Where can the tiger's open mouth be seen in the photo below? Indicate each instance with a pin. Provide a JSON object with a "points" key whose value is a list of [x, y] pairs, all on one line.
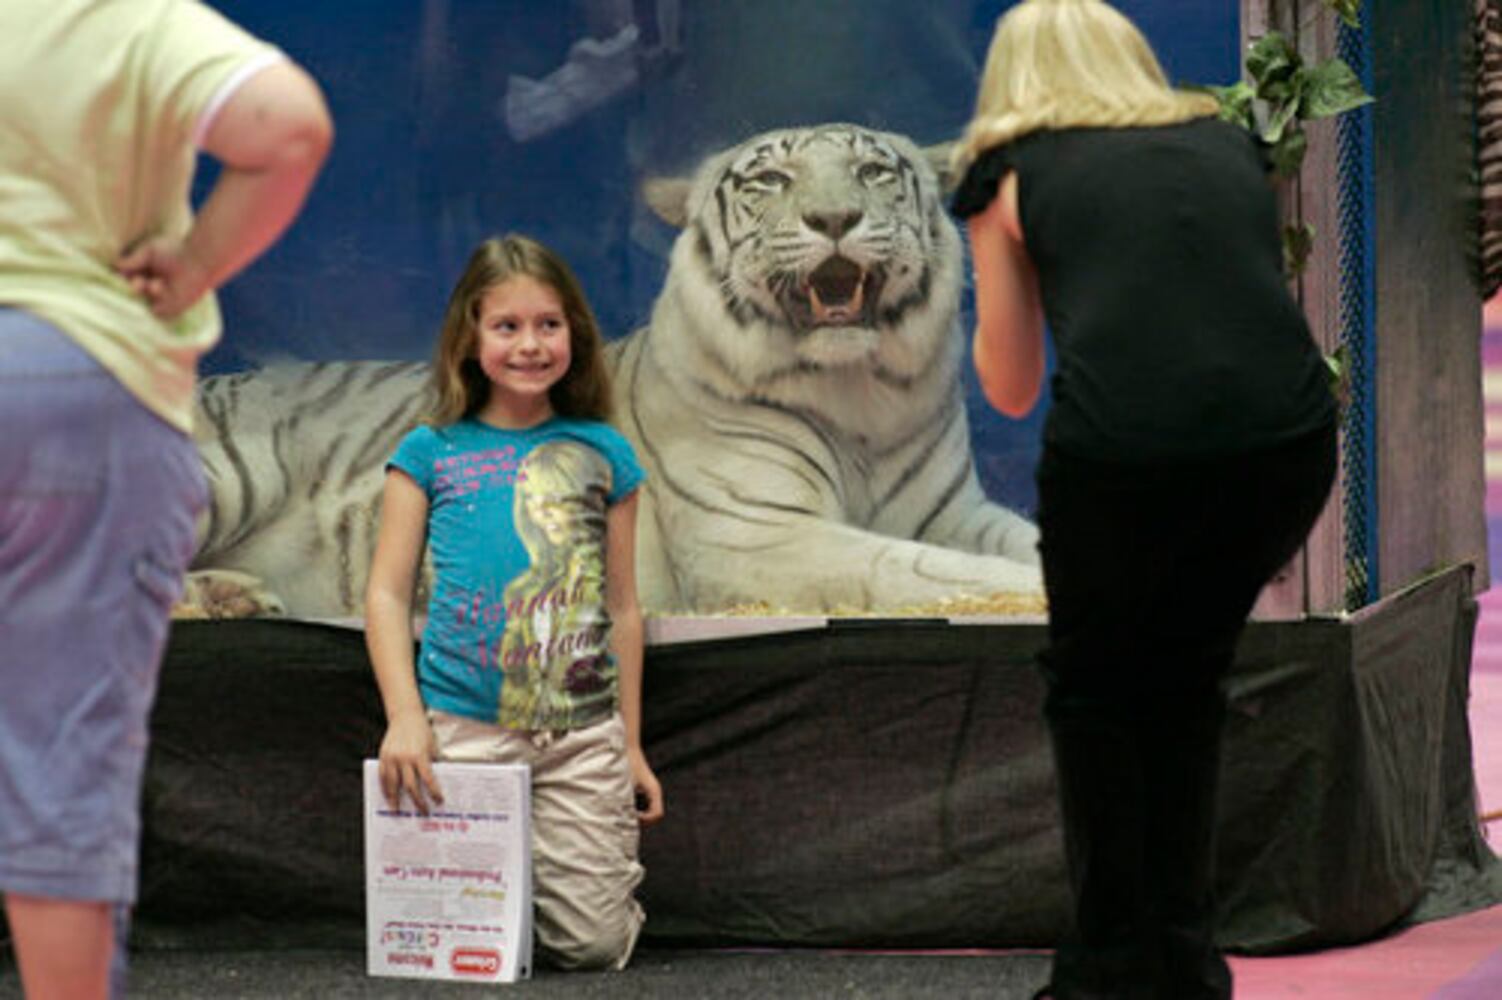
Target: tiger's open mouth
{"points": [[838, 292]]}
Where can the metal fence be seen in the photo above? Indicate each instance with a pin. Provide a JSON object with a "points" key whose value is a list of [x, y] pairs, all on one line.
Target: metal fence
{"points": [[1357, 319]]}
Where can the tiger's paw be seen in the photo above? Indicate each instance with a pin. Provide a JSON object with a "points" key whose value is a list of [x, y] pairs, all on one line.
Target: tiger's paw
{"points": [[225, 593]]}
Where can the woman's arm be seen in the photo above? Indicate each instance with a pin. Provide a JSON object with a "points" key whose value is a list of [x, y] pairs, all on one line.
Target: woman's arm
{"points": [[1008, 346], [626, 642], [407, 750], [271, 137]]}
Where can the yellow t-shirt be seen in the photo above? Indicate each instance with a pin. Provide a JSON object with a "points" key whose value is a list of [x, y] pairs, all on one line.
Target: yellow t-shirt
{"points": [[104, 103]]}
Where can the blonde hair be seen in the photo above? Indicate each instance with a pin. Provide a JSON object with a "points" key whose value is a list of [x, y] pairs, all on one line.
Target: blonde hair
{"points": [[1057, 64], [556, 470], [462, 387]]}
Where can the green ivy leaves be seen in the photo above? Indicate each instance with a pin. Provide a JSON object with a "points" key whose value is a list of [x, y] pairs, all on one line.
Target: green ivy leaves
{"points": [[1332, 89], [1338, 373], [1283, 92], [1349, 11], [1298, 244], [1280, 95]]}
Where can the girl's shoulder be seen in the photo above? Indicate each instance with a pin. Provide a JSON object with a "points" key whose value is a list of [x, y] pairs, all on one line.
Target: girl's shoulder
{"points": [[462, 432], [421, 433], [421, 439], [462, 435], [614, 446], [598, 433]]}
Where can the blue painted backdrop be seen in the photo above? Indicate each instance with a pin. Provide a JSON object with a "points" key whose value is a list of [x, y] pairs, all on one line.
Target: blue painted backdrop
{"points": [[457, 119]]}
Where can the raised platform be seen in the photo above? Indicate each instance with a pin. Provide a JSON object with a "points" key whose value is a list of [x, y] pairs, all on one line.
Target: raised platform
{"points": [[851, 782]]}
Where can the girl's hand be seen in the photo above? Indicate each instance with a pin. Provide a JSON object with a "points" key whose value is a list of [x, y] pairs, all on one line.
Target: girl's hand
{"points": [[407, 762], [648, 791]]}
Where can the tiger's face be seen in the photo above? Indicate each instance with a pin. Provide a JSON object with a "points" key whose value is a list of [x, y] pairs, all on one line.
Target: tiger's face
{"points": [[824, 248]]}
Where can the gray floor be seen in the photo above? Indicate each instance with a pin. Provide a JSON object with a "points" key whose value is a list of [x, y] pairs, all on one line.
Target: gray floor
{"points": [[771, 975]]}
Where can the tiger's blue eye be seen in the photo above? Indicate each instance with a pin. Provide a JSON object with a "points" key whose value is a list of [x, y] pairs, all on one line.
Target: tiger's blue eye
{"points": [[771, 178], [871, 171]]}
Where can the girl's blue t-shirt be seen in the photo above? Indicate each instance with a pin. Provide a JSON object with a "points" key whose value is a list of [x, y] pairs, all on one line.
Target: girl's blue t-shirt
{"points": [[517, 630]]}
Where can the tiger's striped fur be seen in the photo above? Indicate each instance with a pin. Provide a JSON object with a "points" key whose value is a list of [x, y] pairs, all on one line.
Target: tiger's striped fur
{"points": [[796, 397], [1488, 104], [796, 400], [295, 458]]}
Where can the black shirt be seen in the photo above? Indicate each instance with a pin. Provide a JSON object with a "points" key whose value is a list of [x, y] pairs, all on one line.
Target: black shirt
{"points": [[1160, 266]]}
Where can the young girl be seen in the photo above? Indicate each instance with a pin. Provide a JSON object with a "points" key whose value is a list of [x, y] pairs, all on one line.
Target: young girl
{"points": [[532, 651], [1188, 450]]}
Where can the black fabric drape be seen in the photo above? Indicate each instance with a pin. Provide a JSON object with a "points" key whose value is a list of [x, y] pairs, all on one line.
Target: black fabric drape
{"points": [[868, 784]]}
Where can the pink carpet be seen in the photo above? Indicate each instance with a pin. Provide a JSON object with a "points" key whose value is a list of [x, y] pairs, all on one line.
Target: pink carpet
{"points": [[1459, 958], [1455, 959]]}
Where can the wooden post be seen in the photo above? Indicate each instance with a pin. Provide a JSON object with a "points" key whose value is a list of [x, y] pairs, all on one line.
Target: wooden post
{"points": [[1314, 583]]}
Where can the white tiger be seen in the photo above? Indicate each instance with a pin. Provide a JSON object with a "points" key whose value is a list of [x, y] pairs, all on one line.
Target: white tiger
{"points": [[295, 459], [796, 400]]}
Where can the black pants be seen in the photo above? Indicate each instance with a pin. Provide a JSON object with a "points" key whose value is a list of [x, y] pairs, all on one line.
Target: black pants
{"points": [[1151, 572]]}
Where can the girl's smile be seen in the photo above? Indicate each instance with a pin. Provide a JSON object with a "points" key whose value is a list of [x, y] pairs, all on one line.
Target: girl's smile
{"points": [[522, 345]]}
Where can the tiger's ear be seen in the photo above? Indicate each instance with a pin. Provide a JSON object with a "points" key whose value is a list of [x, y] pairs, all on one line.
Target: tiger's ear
{"points": [[668, 198], [938, 157]]}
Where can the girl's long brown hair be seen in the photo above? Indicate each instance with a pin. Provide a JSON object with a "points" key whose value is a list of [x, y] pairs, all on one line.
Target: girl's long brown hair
{"points": [[462, 387]]}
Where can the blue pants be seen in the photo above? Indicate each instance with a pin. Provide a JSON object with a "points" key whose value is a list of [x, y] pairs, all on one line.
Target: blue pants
{"points": [[98, 499]]}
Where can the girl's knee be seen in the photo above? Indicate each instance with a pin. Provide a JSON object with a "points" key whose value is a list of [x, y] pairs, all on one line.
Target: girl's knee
{"points": [[600, 948]]}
